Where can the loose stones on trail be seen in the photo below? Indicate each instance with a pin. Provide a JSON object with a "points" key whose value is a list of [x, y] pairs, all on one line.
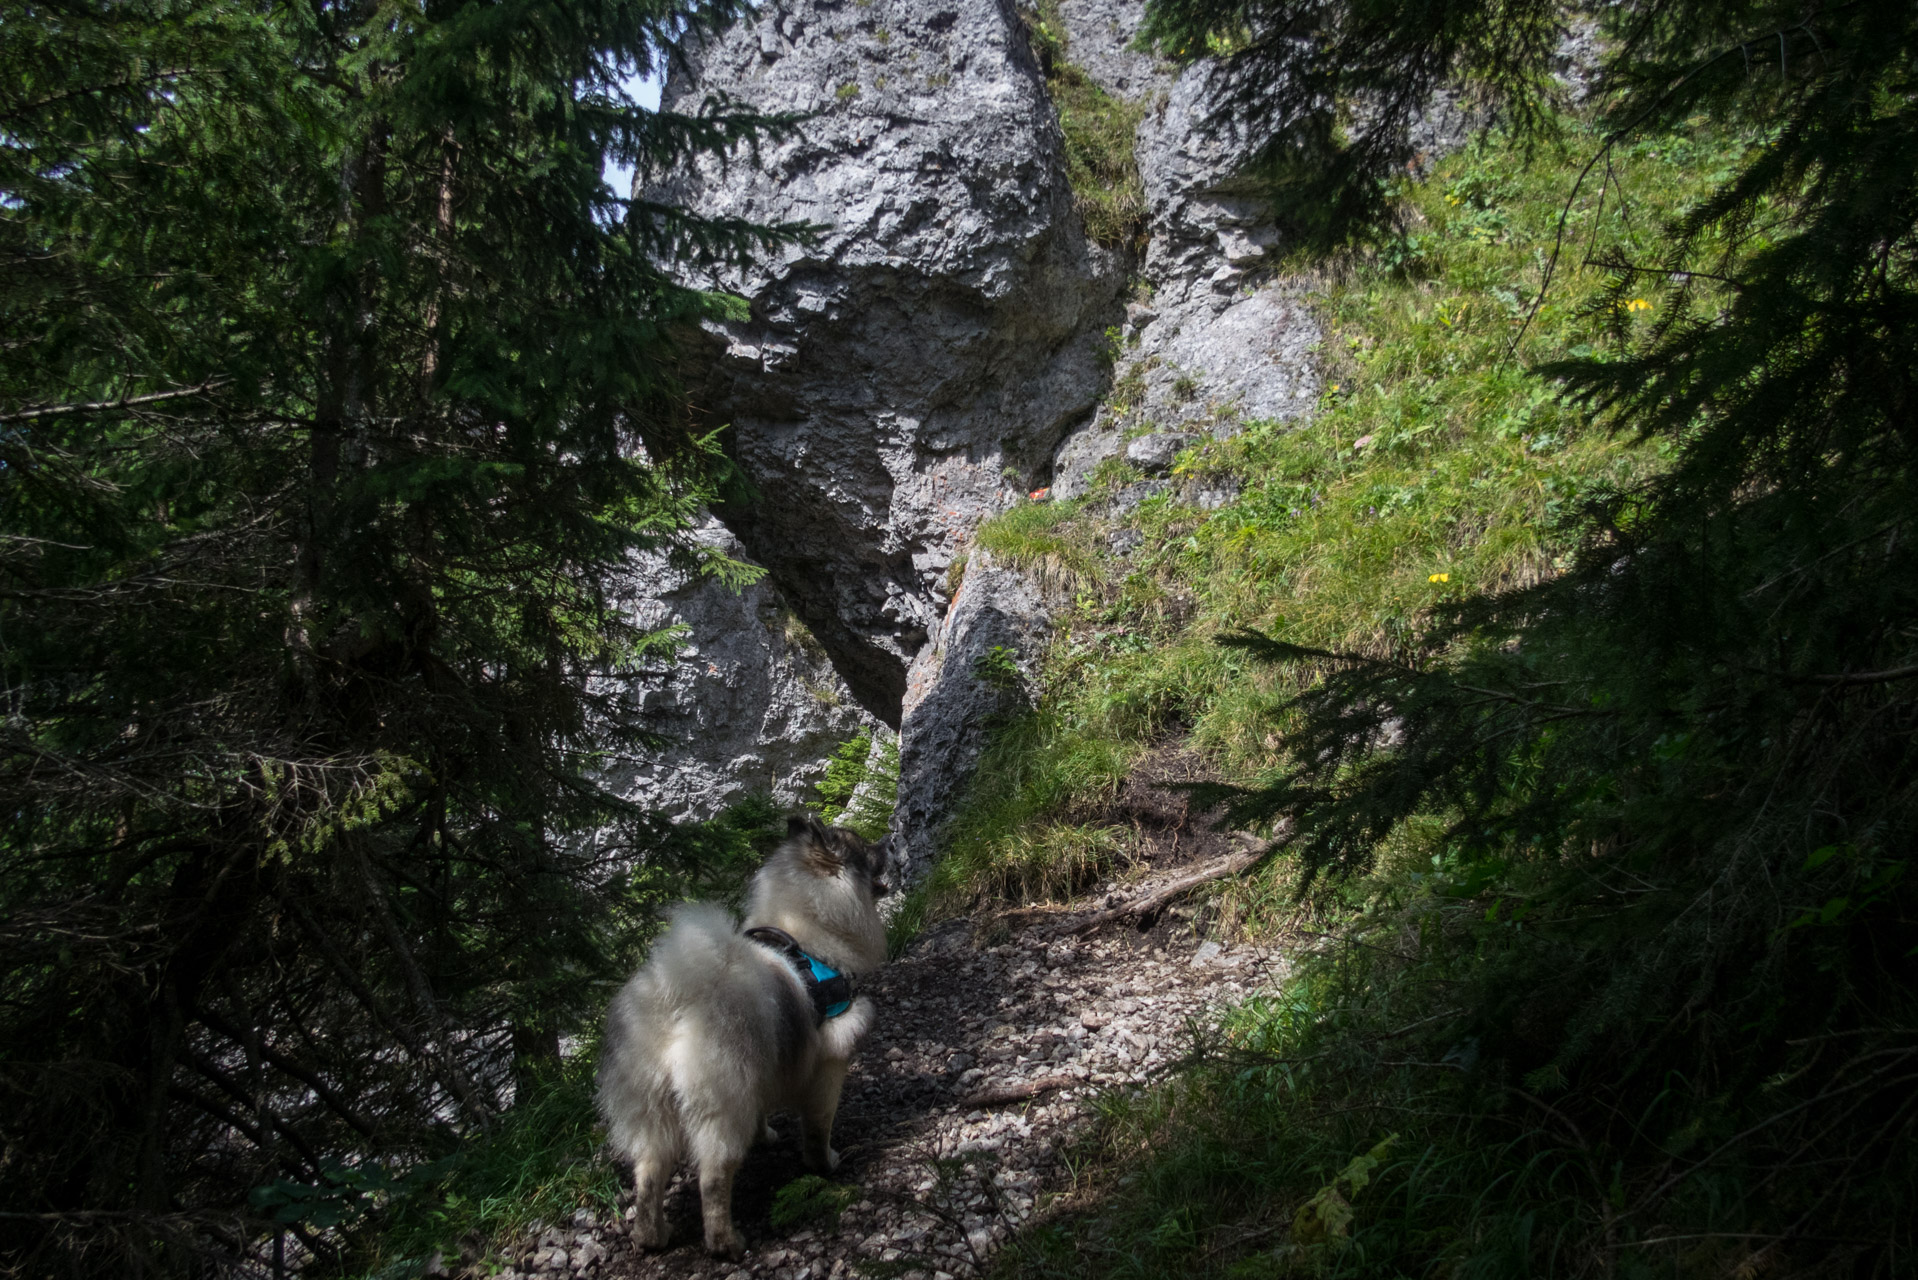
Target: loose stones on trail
{"points": [[980, 1074]]}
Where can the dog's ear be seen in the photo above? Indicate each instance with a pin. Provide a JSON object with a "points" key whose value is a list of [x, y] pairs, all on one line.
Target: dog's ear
{"points": [[816, 843]]}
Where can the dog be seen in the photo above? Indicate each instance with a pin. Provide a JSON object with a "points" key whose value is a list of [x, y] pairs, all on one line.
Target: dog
{"points": [[725, 1025]]}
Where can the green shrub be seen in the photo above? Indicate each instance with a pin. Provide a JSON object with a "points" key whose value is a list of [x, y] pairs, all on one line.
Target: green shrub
{"points": [[861, 785]]}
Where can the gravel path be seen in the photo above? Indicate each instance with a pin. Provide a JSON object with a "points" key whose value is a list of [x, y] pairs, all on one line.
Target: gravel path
{"points": [[994, 1039]]}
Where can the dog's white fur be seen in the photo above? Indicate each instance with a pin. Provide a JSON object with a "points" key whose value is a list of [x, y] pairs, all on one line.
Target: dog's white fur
{"points": [[717, 1031]]}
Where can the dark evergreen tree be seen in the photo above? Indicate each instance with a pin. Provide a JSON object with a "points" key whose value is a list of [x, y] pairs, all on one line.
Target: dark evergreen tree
{"points": [[1689, 759], [333, 395]]}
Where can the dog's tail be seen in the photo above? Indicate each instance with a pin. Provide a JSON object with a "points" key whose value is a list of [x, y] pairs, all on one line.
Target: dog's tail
{"points": [[700, 941], [840, 1036]]}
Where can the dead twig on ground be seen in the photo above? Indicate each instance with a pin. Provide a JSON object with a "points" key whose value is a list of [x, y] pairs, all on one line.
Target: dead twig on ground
{"points": [[999, 1095], [1148, 905]]}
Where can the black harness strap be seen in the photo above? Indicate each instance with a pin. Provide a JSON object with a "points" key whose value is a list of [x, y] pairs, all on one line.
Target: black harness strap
{"points": [[831, 991]]}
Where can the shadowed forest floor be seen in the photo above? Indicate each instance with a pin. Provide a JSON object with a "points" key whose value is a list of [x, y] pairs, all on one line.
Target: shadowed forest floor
{"points": [[997, 1034]]}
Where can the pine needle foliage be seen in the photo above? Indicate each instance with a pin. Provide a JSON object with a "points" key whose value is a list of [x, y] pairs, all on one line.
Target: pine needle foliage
{"points": [[860, 787], [1640, 830], [334, 395], [1325, 93]]}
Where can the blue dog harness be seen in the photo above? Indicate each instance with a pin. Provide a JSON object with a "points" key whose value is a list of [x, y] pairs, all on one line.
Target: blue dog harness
{"points": [[831, 990]]}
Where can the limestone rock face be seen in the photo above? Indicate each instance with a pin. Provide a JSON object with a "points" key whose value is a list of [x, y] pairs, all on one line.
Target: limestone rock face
{"points": [[979, 668], [1100, 35], [1214, 337], [938, 350], [912, 371], [749, 704]]}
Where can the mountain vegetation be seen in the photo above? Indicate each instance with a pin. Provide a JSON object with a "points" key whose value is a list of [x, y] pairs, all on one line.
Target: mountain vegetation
{"points": [[1567, 650], [334, 399]]}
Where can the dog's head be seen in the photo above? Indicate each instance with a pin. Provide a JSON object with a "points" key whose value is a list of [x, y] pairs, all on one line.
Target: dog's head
{"points": [[835, 851], [822, 886]]}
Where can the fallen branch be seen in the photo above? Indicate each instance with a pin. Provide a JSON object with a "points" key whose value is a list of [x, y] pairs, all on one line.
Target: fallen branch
{"points": [[999, 1095], [1148, 905], [96, 406]]}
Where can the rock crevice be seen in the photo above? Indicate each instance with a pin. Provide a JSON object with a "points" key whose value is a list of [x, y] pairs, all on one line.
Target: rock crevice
{"points": [[911, 371]]}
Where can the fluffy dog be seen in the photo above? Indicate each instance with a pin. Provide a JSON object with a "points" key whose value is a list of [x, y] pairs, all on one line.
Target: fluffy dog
{"points": [[721, 1029]]}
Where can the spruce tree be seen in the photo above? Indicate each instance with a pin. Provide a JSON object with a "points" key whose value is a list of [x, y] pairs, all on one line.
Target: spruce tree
{"points": [[334, 393], [1688, 759]]}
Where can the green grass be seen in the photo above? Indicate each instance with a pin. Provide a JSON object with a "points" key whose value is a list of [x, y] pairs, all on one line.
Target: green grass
{"points": [[1242, 1165], [811, 1201], [545, 1160], [1435, 466], [1098, 130], [1100, 166], [1029, 829]]}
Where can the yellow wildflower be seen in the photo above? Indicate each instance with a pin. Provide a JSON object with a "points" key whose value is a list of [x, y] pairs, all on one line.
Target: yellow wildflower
{"points": [[1638, 304], [1440, 577]]}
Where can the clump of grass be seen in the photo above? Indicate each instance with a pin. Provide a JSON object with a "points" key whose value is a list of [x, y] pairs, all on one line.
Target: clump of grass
{"points": [[1036, 863], [1128, 389], [798, 635], [1045, 539], [1100, 165], [1027, 829], [1099, 130]]}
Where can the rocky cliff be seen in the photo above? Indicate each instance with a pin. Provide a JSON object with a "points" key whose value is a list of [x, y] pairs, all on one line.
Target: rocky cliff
{"points": [[750, 703], [913, 370], [943, 348]]}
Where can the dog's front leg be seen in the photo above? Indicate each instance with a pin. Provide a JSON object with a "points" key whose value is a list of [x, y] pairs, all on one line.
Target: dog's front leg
{"points": [[816, 1116], [837, 1041]]}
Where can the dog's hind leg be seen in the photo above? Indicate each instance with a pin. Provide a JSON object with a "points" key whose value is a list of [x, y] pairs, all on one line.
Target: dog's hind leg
{"points": [[651, 1173], [655, 1151], [719, 1151]]}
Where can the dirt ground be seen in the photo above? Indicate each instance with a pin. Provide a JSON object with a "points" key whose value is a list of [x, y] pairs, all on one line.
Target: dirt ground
{"points": [[995, 1036]]}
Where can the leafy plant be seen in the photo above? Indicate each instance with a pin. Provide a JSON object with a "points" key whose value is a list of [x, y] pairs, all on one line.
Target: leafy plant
{"points": [[811, 1201], [999, 667]]}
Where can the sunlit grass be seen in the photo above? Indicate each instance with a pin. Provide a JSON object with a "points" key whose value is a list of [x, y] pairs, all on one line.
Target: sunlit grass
{"points": [[1437, 466]]}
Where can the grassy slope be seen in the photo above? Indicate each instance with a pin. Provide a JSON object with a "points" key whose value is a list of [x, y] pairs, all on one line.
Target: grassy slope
{"points": [[1435, 465]]}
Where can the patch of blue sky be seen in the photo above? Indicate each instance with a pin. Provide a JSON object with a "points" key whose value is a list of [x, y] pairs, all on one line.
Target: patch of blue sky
{"points": [[645, 91]]}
